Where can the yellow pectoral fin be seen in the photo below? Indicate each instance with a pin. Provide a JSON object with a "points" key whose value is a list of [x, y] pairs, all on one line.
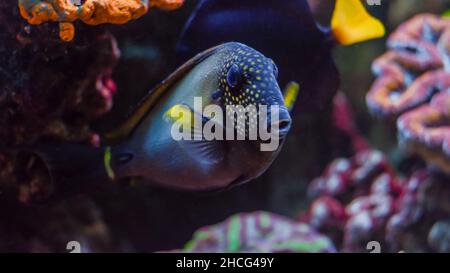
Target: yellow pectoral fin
{"points": [[290, 95], [181, 114], [351, 23]]}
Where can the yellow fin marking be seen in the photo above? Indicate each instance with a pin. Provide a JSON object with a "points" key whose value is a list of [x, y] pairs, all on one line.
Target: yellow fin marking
{"points": [[351, 23], [107, 162], [181, 114], [290, 94]]}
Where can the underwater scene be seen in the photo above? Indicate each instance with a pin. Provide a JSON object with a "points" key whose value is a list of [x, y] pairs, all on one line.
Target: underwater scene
{"points": [[225, 126]]}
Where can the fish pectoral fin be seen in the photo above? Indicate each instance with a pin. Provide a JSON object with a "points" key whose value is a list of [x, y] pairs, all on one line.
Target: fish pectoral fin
{"points": [[200, 147], [351, 23], [291, 94], [206, 152]]}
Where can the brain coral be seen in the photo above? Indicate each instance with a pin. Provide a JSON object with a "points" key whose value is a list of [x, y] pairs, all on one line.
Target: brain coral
{"points": [[412, 86], [259, 232]]}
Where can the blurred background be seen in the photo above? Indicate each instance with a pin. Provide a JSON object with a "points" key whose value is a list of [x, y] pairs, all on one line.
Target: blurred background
{"points": [[143, 218]]}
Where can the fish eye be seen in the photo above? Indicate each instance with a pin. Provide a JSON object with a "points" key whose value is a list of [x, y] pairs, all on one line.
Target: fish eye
{"points": [[234, 76], [275, 69]]}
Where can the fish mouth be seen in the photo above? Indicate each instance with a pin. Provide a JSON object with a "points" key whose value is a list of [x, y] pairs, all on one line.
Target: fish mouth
{"points": [[284, 128], [280, 127]]}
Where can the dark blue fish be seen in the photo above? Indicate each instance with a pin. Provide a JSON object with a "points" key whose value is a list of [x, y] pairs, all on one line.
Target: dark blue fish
{"points": [[286, 31]]}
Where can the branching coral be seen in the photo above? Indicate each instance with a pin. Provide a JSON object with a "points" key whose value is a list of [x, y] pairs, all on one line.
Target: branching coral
{"points": [[415, 71], [399, 213], [91, 12], [259, 232]]}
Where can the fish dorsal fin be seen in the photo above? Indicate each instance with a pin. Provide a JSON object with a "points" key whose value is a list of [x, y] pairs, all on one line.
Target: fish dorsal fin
{"points": [[153, 96], [352, 23]]}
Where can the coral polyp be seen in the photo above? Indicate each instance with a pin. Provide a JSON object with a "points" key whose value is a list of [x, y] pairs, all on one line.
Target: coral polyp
{"points": [[91, 12]]}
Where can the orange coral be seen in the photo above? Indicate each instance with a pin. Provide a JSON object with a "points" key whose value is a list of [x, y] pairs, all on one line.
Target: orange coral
{"points": [[166, 4], [66, 31], [91, 12]]}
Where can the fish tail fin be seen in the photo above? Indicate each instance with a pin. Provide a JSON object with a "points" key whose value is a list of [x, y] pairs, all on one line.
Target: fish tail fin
{"points": [[71, 169], [291, 94], [351, 23]]}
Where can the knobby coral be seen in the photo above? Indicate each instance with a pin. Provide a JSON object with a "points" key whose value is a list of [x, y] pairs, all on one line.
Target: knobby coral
{"points": [[258, 232], [91, 12], [411, 72], [415, 71], [400, 213]]}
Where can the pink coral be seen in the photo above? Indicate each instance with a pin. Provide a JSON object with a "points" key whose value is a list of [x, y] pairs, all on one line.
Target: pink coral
{"points": [[399, 213], [426, 131], [343, 175], [412, 73], [259, 232]]}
